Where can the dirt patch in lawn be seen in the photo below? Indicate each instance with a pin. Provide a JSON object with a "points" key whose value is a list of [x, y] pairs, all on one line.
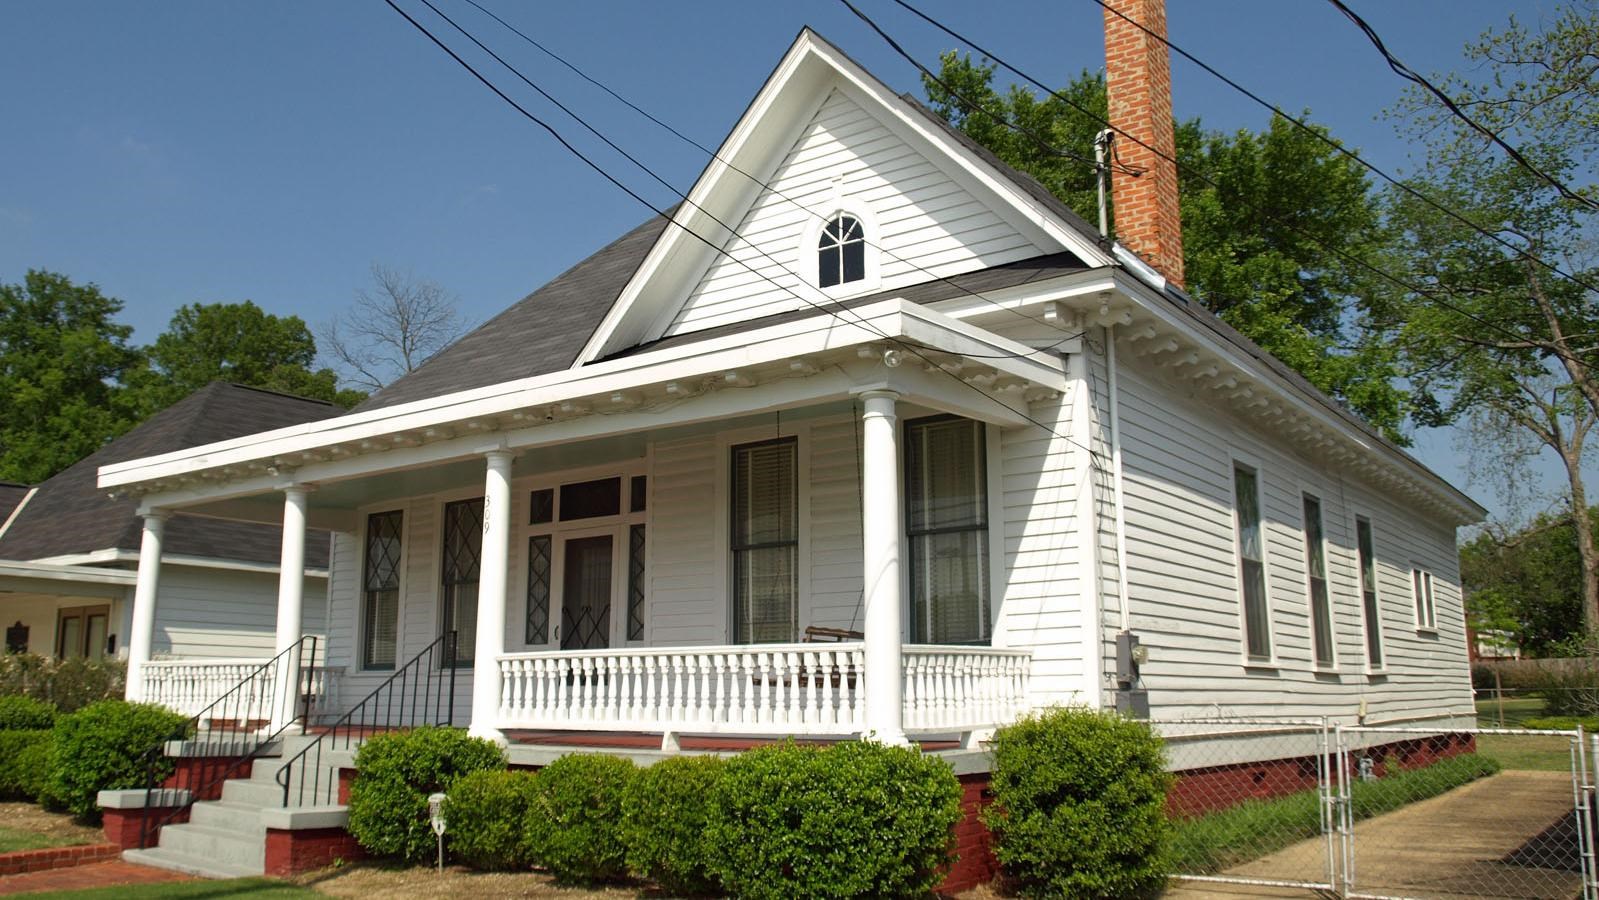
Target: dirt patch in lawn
{"points": [[362, 881], [26, 823]]}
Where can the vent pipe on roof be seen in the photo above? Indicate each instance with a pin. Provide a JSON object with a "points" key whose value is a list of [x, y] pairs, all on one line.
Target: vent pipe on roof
{"points": [[1138, 86]]}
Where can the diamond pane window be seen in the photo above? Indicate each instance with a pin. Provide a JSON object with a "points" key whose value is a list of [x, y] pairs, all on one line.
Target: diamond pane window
{"points": [[538, 590], [635, 583], [380, 590], [463, 550]]}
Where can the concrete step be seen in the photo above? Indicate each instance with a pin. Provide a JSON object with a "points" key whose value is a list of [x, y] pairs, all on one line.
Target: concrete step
{"points": [[235, 817], [259, 794], [162, 858], [231, 848]]}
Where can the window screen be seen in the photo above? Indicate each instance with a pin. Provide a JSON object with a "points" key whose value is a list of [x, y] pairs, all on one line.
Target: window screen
{"points": [[947, 525], [765, 542], [380, 586]]}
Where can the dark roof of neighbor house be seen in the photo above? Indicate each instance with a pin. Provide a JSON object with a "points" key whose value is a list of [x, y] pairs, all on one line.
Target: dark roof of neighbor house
{"points": [[11, 494], [71, 515]]}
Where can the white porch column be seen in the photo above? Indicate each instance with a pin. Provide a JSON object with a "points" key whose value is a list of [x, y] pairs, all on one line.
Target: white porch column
{"points": [[882, 532], [291, 605], [141, 631], [493, 572]]}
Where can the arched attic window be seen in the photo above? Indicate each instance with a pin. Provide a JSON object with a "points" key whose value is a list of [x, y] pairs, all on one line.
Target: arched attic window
{"points": [[841, 251]]}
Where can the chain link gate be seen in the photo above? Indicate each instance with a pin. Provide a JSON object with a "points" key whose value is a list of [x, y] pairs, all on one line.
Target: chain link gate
{"points": [[1317, 809]]}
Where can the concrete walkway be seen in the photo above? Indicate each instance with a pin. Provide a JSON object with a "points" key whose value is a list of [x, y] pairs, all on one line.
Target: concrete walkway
{"points": [[1508, 836]]}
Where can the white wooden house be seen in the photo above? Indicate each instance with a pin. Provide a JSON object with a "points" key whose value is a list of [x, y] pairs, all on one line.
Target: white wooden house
{"points": [[899, 390]]}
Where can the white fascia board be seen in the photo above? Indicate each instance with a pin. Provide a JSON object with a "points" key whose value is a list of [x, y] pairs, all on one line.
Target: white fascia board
{"points": [[1315, 408], [996, 306], [89, 562], [810, 66], [887, 319], [75, 574]]}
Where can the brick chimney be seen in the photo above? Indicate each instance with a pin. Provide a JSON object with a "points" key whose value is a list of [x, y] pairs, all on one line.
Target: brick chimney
{"points": [[1138, 84]]}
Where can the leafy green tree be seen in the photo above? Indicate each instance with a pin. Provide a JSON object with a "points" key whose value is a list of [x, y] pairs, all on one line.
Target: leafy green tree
{"points": [[237, 342], [1527, 583], [1495, 338], [1270, 222], [61, 356]]}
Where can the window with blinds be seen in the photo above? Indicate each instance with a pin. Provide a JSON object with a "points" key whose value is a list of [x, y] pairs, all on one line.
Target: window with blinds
{"points": [[1316, 566], [463, 551], [1251, 563], [380, 590], [1368, 592], [765, 542], [946, 519]]}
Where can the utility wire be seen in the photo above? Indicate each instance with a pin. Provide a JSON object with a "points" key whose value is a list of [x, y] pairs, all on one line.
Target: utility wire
{"points": [[1410, 74], [1338, 146], [1347, 257], [600, 170], [766, 186]]}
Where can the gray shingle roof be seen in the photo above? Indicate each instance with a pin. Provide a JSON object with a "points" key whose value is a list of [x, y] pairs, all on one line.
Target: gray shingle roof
{"points": [[70, 514], [11, 494]]}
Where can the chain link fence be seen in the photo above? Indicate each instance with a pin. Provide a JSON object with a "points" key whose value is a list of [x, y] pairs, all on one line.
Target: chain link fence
{"points": [[1309, 808]]}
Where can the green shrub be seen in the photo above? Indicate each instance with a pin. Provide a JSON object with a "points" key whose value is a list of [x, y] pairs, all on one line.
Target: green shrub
{"points": [[70, 684], [575, 825], [487, 811], [664, 815], [19, 713], [24, 764], [857, 819], [1079, 805], [103, 747], [395, 773]]}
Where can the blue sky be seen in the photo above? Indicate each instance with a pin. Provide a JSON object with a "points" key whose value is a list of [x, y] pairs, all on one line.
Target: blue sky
{"points": [[220, 151]]}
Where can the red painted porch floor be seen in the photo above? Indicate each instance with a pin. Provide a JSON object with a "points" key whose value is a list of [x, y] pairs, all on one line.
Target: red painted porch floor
{"points": [[77, 878]]}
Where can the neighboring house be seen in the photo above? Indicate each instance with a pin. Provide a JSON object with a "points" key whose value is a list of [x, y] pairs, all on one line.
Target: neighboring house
{"points": [[68, 548], [917, 398]]}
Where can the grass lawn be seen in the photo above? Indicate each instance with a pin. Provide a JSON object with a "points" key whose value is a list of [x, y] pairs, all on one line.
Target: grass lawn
{"points": [[27, 827], [234, 889], [1515, 751], [1516, 711]]}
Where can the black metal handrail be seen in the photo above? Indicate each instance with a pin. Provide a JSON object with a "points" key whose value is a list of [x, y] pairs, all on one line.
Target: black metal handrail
{"points": [[246, 713], [429, 677]]}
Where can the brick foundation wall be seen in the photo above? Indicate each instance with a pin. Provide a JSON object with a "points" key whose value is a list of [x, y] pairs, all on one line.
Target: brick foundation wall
{"points": [[976, 865], [122, 825], [1200, 791], [195, 773], [57, 858], [306, 850]]}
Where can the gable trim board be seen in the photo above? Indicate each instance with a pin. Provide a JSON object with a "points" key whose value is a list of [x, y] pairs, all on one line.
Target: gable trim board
{"points": [[807, 75]]}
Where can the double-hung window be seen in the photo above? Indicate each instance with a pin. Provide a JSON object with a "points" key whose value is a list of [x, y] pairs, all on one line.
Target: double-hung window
{"points": [[765, 542], [380, 590], [946, 520], [1368, 592], [1321, 630], [463, 552], [1426, 613], [1251, 563]]}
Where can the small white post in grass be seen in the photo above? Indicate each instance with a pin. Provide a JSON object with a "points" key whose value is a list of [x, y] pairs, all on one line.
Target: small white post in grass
{"points": [[436, 818]]}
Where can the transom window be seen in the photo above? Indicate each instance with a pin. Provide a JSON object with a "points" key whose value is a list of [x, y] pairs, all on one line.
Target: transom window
{"points": [[946, 519], [841, 251]]}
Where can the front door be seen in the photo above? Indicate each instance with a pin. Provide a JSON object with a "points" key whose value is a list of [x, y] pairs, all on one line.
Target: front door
{"points": [[586, 593]]}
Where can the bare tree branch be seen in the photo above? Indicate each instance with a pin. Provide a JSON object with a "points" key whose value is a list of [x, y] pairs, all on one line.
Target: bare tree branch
{"points": [[392, 328]]}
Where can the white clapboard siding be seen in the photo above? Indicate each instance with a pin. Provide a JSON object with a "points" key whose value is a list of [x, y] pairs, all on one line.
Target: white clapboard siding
{"points": [[925, 221], [222, 613], [688, 592], [1178, 452]]}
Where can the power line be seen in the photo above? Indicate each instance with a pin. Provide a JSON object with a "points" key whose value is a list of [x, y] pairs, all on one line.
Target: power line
{"points": [[1338, 146], [570, 148], [1347, 257], [765, 185], [1410, 74]]}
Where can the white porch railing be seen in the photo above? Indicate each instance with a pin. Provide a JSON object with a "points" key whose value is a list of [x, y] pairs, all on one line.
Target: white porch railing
{"points": [[188, 686], [787, 689]]}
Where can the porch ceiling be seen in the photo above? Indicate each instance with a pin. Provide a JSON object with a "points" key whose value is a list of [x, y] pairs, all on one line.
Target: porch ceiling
{"points": [[786, 366]]}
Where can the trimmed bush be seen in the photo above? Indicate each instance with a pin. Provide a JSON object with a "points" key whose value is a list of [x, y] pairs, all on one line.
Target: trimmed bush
{"points": [[102, 747], [70, 684], [1079, 805], [395, 773], [487, 811], [857, 819], [665, 811], [24, 763], [26, 714], [575, 825]]}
